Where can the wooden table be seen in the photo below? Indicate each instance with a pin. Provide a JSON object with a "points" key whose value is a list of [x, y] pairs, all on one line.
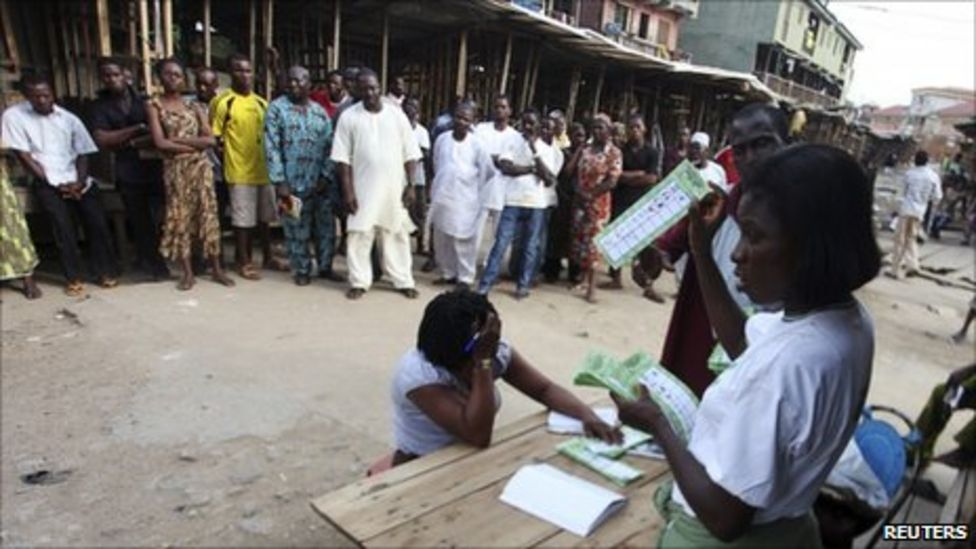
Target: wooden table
{"points": [[450, 498]]}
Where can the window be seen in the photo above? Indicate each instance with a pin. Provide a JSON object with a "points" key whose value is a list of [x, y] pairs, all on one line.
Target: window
{"points": [[663, 32], [811, 33], [621, 16], [645, 22]]}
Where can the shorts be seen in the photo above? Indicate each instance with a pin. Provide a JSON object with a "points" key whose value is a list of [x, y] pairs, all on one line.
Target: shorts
{"points": [[250, 204]]}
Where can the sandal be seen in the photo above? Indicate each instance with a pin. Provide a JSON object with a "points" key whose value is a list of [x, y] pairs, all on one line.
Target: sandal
{"points": [[355, 293], [108, 282], [75, 289], [277, 264], [409, 293], [248, 272]]}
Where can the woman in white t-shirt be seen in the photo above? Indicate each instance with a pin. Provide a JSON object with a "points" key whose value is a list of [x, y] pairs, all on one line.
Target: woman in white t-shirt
{"points": [[769, 430], [444, 388]]}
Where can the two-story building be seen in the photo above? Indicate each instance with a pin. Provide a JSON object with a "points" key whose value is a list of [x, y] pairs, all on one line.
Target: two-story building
{"points": [[796, 47], [649, 26]]}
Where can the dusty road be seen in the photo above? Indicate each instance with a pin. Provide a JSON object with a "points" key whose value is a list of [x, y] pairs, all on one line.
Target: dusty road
{"points": [[211, 417]]}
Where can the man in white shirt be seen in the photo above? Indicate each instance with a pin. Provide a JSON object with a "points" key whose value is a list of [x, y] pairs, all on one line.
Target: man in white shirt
{"points": [[53, 145], [553, 156], [523, 163], [377, 154], [495, 135], [461, 169], [922, 186], [710, 171]]}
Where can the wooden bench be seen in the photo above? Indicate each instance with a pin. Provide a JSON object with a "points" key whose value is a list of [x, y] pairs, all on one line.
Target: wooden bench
{"points": [[450, 498]]}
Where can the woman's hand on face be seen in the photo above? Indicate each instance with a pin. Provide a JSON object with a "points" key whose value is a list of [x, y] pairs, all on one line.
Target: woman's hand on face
{"points": [[641, 413], [487, 345], [595, 427]]}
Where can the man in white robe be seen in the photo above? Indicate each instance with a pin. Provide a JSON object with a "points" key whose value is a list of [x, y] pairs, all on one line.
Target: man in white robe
{"points": [[376, 153], [462, 169]]}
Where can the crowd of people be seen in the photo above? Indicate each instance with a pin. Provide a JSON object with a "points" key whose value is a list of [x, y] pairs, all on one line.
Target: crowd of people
{"points": [[339, 154], [768, 261]]}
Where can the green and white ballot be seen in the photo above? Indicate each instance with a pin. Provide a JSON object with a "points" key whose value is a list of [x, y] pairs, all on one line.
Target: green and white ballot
{"points": [[653, 214], [674, 398]]}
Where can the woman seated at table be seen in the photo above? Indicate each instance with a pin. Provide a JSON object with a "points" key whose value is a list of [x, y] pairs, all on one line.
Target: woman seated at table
{"points": [[444, 389], [770, 429]]}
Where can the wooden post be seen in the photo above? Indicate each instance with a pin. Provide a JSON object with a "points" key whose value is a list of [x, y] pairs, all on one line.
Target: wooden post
{"points": [[506, 65], [52, 44], [628, 95], [206, 33], [336, 30], [303, 42], [71, 70], [385, 52], [527, 77], [462, 65], [130, 11], [157, 21], [144, 42], [88, 48], [534, 77], [252, 27], [10, 41], [167, 28], [574, 82], [599, 90], [268, 32], [104, 31]]}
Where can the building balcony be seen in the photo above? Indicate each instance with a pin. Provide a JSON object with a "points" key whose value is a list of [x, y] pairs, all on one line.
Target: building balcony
{"points": [[798, 92], [645, 46]]}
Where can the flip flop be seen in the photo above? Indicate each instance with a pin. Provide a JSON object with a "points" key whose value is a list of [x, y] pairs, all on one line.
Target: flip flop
{"points": [[75, 289], [355, 293], [248, 272], [409, 293], [108, 282]]}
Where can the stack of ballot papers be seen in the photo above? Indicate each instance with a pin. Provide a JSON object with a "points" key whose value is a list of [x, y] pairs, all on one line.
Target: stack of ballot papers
{"points": [[674, 398], [569, 502]]}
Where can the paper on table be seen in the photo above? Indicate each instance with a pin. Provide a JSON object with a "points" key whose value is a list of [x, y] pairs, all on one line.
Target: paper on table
{"points": [[562, 424], [578, 450], [569, 502], [650, 450], [656, 212], [632, 437]]}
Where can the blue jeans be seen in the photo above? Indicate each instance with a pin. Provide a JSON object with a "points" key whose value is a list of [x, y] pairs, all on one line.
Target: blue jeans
{"points": [[518, 254], [528, 222]]}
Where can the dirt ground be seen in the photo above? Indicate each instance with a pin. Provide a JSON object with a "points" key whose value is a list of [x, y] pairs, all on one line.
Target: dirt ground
{"points": [[211, 417]]}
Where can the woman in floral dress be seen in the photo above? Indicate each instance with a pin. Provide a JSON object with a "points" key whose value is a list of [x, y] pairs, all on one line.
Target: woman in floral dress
{"points": [[598, 166], [181, 131], [17, 256]]}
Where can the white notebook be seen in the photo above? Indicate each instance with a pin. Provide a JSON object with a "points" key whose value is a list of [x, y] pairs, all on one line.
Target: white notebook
{"points": [[569, 502]]}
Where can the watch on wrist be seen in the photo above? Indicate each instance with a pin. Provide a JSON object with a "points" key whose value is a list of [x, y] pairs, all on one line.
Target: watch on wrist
{"points": [[485, 364]]}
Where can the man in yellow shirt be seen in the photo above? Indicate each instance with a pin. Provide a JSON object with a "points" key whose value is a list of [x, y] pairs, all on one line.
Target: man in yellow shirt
{"points": [[237, 116]]}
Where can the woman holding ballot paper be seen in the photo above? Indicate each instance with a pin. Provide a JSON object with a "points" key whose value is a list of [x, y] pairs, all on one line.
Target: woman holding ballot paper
{"points": [[444, 388], [769, 430]]}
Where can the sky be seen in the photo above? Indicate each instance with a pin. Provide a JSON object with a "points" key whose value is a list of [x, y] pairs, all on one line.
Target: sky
{"points": [[908, 45]]}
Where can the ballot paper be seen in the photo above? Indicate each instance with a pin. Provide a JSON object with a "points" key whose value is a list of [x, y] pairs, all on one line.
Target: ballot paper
{"points": [[656, 212], [561, 424], [569, 502], [673, 397], [602, 370], [650, 450], [632, 438], [578, 449]]}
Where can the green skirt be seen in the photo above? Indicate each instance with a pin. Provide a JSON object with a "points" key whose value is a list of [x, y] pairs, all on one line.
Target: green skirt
{"points": [[684, 530], [17, 255]]}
